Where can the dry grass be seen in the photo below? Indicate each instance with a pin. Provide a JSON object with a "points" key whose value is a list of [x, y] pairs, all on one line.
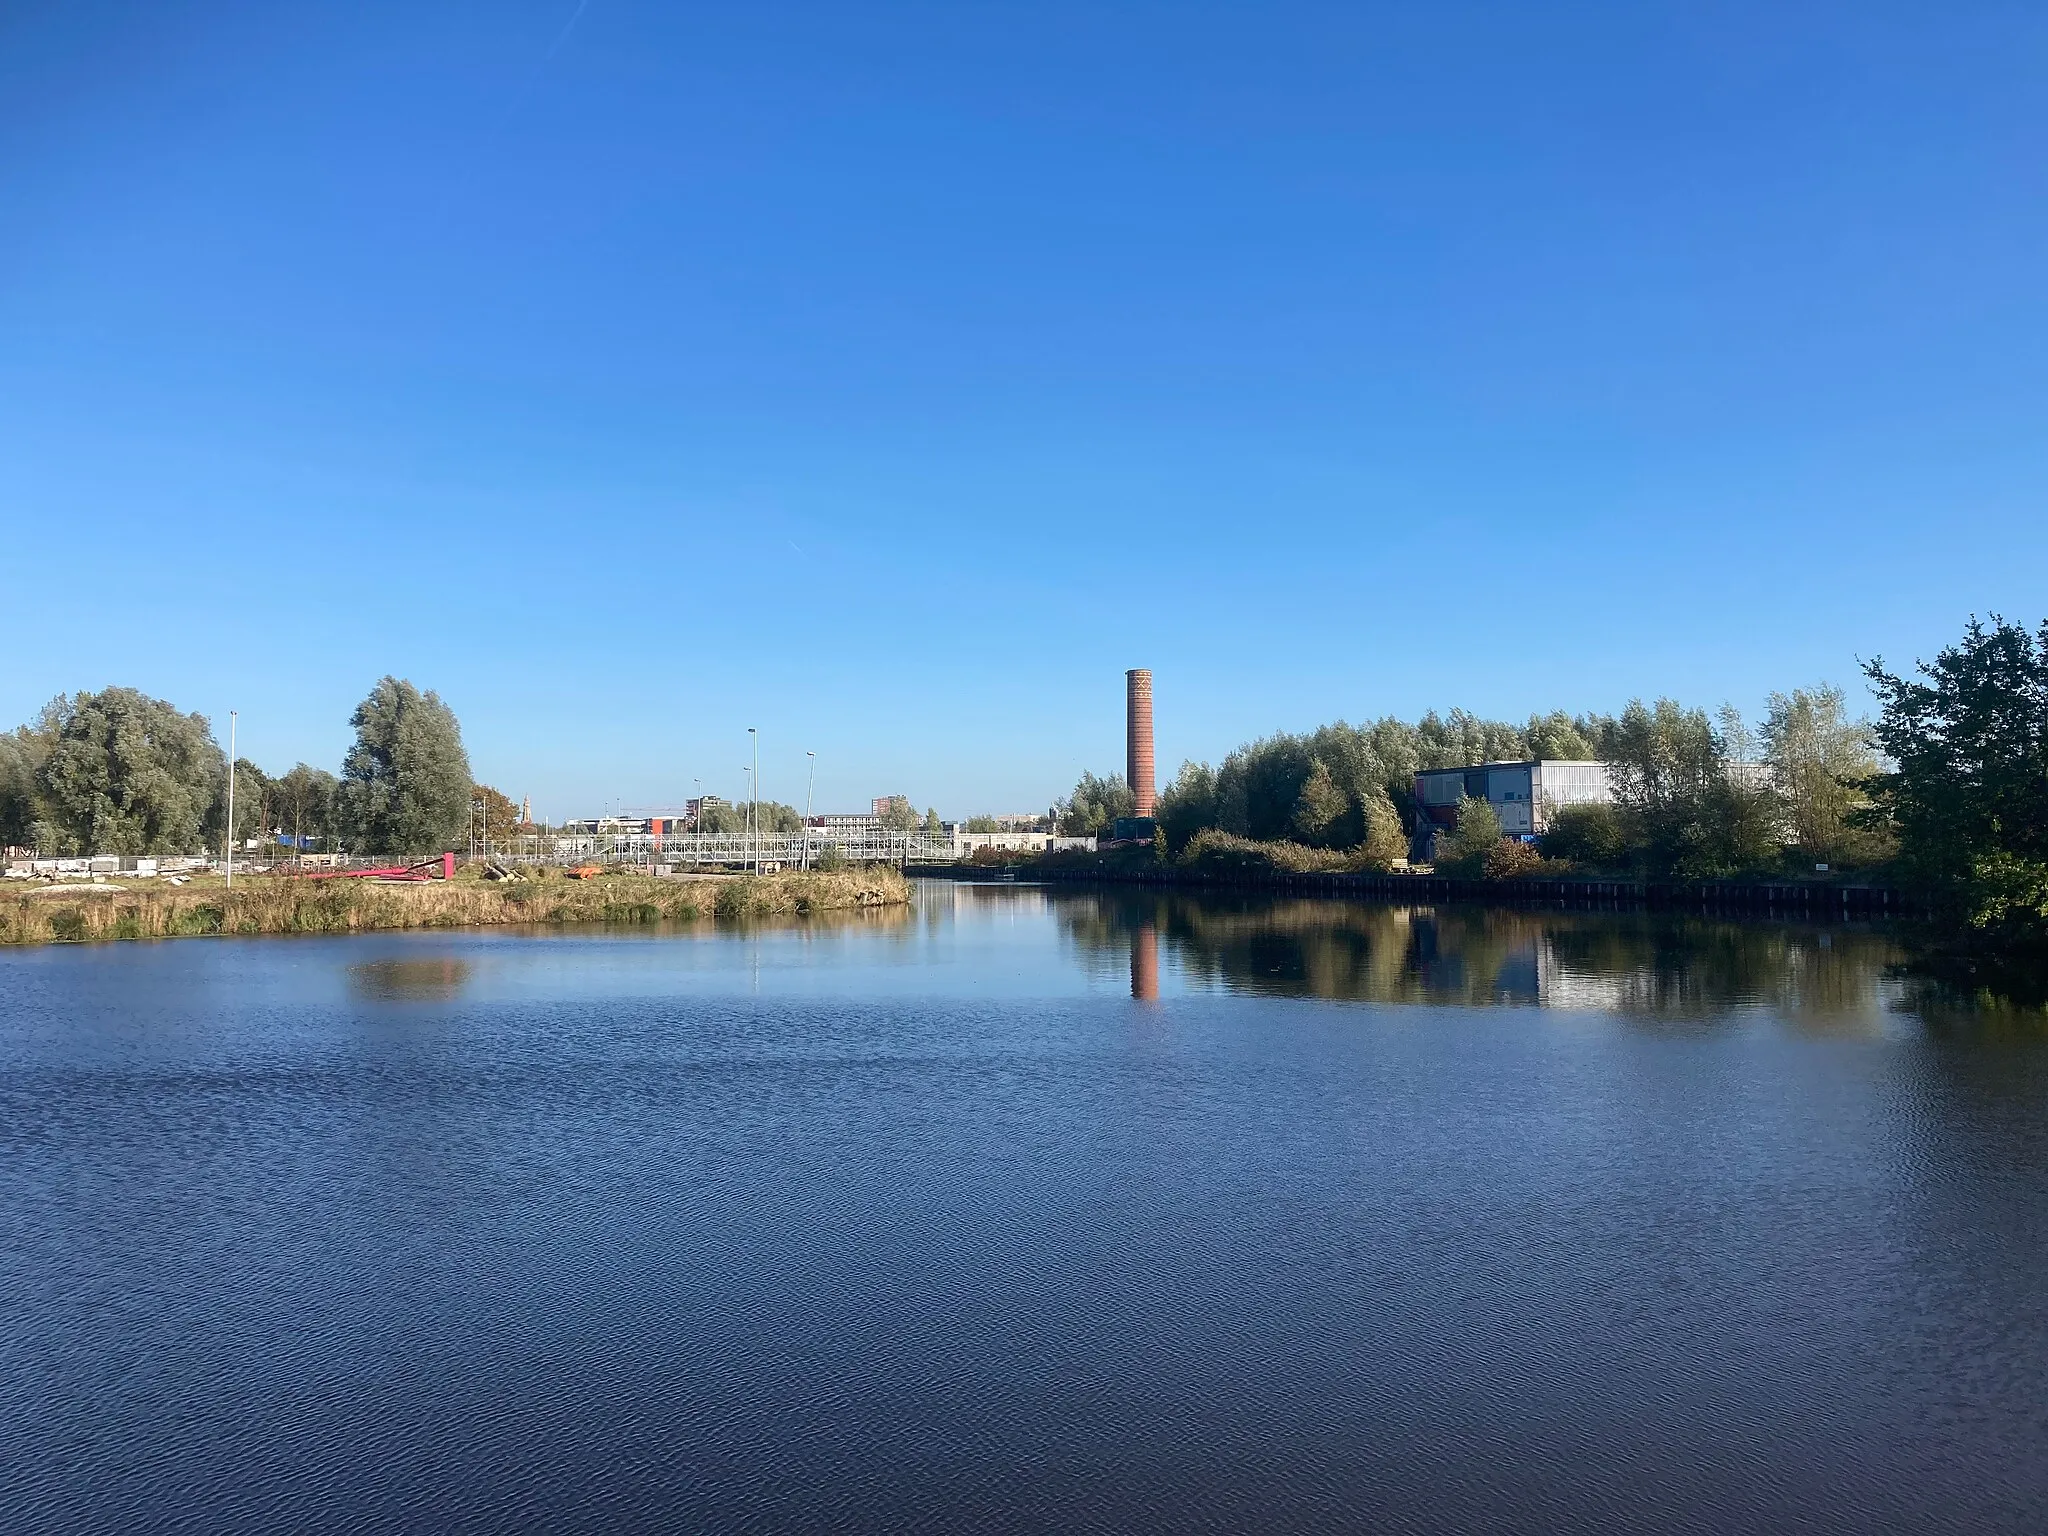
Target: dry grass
{"points": [[278, 904]]}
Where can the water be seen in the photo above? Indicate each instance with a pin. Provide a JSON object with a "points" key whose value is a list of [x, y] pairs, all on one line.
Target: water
{"points": [[1352, 1218]]}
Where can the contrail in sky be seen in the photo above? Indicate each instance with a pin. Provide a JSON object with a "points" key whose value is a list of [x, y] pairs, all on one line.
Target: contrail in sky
{"points": [[583, 6]]}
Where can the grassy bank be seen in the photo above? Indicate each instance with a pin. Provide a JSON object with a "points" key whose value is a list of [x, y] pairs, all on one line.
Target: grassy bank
{"points": [[278, 904]]}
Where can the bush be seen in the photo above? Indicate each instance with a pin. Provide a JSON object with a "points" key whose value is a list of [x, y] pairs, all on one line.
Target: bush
{"points": [[1586, 834], [1463, 850], [1223, 852], [1510, 859]]}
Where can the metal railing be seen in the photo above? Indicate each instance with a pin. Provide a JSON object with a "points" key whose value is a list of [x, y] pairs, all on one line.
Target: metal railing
{"points": [[690, 850]]}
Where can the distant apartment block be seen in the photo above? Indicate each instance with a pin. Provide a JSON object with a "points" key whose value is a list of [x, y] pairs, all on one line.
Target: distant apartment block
{"points": [[849, 823]]}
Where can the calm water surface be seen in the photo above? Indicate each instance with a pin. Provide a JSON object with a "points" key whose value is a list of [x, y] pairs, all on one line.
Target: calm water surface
{"points": [[1027, 1212]]}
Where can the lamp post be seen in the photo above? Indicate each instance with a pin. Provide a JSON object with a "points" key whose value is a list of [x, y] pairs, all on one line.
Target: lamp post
{"points": [[809, 789], [751, 731], [233, 717]]}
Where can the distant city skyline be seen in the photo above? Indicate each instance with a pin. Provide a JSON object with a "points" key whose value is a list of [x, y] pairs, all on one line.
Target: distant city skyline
{"points": [[891, 380]]}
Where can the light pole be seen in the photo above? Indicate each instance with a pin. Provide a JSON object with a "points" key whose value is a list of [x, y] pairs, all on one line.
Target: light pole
{"points": [[809, 789], [233, 717], [751, 731]]}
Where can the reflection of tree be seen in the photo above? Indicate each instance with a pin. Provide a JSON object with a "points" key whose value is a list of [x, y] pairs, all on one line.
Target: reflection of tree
{"points": [[1638, 962]]}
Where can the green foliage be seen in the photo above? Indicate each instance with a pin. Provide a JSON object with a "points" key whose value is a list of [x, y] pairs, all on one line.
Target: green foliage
{"points": [[1969, 795], [897, 816], [721, 820], [115, 772], [1556, 737], [1384, 840], [775, 818], [1823, 764], [1683, 812], [405, 783], [21, 758], [931, 821], [1319, 806], [1327, 787], [828, 859], [1586, 834], [1512, 859], [494, 815], [1463, 849], [982, 824], [1215, 852], [252, 804], [1094, 804], [1186, 806]]}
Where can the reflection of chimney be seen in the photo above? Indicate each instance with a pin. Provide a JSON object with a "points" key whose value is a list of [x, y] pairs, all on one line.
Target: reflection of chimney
{"points": [[1138, 754], [1145, 964]]}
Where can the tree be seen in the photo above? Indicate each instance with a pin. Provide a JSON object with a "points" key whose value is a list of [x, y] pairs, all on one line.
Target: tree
{"points": [[493, 814], [1385, 840], [1319, 806], [1681, 810], [719, 819], [982, 824], [1556, 737], [931, 821], [304, 801], [21, 758], [897, 816], [771, 818], [1186, 806], [253, 817], [1094, 804], [1969, 795], [405, 785], [1463, 850], [1823, 763], [1586, 834], [121, 772]]}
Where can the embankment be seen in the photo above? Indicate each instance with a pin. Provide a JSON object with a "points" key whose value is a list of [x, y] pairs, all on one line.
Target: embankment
{"points": [[1803, 898], [279, 904]]}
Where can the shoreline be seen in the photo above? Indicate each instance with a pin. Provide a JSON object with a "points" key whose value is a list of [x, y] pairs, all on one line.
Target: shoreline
{"points": [[279, 904], [1796, 898]]}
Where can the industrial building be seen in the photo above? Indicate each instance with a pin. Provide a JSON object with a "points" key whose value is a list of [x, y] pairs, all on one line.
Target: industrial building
{"points": [[1523, 795]]}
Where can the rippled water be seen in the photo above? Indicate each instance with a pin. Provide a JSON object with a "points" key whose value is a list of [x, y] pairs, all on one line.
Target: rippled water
{"points": [[1021, 1212]]}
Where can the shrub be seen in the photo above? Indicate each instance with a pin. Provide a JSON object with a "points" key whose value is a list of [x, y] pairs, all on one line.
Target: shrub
{"points": [[1463, 850], [1511, 859], [1585, 834]]}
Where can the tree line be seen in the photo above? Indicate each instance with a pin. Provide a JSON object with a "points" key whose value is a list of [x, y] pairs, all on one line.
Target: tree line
{"points": [[1694, 795], [119, 772], [1946, 792]]}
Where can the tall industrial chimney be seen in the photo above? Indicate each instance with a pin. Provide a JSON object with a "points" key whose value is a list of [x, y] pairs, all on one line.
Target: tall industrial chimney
{"points": [[1138, 750]]}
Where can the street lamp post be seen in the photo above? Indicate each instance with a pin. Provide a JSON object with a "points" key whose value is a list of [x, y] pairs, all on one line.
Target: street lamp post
{"points": [[809, 789], [233, 717], [753, 732]]}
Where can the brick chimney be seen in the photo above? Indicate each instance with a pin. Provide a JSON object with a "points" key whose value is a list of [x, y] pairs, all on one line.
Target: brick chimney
{"points": [[1138, 753]]}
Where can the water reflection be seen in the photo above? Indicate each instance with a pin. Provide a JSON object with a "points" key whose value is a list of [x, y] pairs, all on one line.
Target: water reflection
{"points": [[429, 979], [1145, 964], [1632, 962]]}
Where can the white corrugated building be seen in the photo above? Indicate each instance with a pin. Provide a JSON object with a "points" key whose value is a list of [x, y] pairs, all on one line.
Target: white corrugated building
{"points": [[1522, 794]]}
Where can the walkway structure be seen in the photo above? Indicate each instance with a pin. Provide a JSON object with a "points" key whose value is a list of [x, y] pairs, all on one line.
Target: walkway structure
{"points": [[737, 850]]}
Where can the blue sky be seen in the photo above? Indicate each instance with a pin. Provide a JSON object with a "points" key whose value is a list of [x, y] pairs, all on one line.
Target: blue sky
{"points": [[893, 377]]}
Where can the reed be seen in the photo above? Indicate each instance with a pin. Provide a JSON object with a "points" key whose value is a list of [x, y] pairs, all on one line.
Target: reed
{"points": [[280, 904]]}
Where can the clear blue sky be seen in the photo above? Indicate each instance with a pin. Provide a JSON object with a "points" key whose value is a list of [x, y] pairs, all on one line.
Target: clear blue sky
{"points": [[893, 377]]}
